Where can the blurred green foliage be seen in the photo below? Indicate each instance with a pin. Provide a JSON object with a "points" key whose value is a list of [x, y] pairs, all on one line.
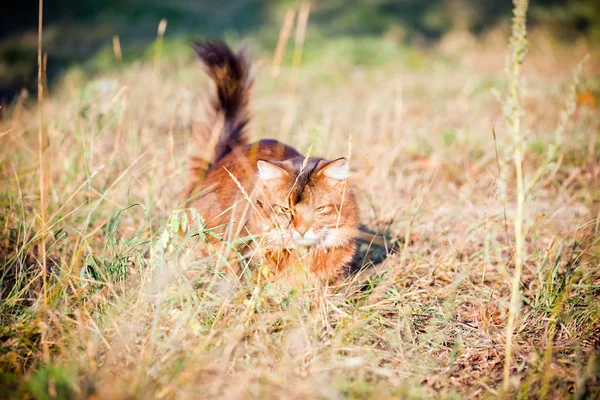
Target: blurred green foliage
{"points": [[76, 30]]}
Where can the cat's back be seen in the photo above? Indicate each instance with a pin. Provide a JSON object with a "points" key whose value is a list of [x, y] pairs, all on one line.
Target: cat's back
{"points": [[241, 163], [271, 150]]}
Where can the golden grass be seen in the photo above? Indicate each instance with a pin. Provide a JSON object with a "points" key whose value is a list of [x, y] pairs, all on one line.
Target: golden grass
{"points": [[124, 321]]}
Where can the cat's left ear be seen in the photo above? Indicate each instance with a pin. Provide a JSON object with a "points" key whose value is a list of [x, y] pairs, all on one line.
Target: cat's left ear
{"points": [[268, 170], [338, 169]]}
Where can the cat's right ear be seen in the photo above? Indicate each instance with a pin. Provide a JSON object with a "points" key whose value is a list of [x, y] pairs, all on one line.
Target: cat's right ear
{"points": [[268, 171]]}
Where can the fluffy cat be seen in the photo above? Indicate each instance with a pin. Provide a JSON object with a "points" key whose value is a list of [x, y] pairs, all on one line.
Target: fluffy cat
{"points": [[289, 210]]}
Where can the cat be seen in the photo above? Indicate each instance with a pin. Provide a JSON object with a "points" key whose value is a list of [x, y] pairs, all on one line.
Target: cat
{"points": [[289, 209]]}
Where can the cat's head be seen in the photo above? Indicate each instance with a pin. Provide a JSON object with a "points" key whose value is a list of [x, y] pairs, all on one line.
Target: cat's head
{"points": [[308, 202]]}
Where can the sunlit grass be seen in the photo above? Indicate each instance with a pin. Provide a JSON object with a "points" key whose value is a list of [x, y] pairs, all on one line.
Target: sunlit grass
{"points": [[130, 312]]}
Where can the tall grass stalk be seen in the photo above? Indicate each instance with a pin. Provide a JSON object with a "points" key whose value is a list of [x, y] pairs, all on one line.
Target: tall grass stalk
{"points": [[301, 25], [284, 36], [300, 36], [513, 112], [160, 33], [117, 49], [42, 183]]}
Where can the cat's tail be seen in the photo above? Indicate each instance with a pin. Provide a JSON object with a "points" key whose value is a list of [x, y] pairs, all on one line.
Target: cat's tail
{"points": [[231, 73]]}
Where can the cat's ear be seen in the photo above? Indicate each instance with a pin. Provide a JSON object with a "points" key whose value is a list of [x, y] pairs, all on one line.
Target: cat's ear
{"points": [[337, 169], [268, 171]]}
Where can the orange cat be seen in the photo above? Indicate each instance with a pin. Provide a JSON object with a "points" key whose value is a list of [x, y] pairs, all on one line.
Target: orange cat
{"points": [[293, 210]]}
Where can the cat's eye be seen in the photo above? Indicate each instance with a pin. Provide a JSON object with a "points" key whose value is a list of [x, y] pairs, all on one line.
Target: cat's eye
{"points": [[285, 210], [323, 209]]}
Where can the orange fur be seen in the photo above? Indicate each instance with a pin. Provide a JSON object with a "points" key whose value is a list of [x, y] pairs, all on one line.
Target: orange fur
{"points": [[289, 209]]}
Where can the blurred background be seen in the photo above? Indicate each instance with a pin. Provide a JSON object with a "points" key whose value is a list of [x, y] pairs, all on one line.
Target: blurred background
{"points": [[81, 34]]}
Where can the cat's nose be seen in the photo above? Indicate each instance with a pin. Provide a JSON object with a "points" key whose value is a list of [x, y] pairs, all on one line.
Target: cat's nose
{"points": [[301, 229], [302, 222]]}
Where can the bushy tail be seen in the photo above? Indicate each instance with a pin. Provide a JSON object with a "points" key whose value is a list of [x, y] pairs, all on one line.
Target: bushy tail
{"points": [[231, 73]]}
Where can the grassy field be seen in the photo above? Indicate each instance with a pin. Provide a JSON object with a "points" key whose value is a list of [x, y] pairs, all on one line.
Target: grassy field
{"points": [[101, 299]]}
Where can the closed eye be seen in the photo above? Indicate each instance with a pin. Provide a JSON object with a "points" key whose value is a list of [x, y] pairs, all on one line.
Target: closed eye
{"points": [[285, 210], [324, 209]]}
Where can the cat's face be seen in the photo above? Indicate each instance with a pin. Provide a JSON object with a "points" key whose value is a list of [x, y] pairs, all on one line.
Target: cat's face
{"points": [[307, 206]]}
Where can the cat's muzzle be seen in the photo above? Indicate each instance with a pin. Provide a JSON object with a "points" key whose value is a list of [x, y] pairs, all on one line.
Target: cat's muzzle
{"points": [[307, 240]]}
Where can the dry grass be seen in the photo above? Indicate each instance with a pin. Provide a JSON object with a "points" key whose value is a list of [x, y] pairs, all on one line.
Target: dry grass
{"points": [[123, 320]]}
